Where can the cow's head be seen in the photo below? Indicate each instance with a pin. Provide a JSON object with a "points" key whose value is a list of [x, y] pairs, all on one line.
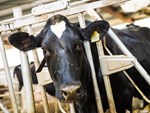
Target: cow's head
{"points": [[62, 44]]}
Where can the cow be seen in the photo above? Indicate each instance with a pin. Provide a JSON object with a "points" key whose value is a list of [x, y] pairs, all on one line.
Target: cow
{"points": [[62, 44], [19, 86], [17, 75]]}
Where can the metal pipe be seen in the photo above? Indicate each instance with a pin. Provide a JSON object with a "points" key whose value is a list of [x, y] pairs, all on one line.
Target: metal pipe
{"points": [[25, 6], [8, 76], [35, 54], [28, 6], [134, 84], [44, 99], [90, 59], [122, 47], [3, 108], [73, 4], [26, 72], [31, 19], [36, 60], [106, 80], [7, 94], [105, 77]]}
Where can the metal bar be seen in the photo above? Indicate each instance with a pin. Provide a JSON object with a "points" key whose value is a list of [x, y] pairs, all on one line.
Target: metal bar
{"points": [[83, 8], [70, 11], [3, 108], [7, 94], [43, 93], [8, 76], [35, 54], [36, 58], [44, 99], [26, 72], [79, 2], [89, 56], [106, 78], [122, 47], [24, 6], [31, 15], [137, 88], [37, 62]]}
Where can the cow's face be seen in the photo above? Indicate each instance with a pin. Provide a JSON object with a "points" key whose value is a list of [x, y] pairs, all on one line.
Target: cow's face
{"points": [[62, 44], [63, 51]]}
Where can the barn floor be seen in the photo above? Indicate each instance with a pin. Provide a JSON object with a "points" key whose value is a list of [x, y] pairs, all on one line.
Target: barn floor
{"points": [[53, 107]]}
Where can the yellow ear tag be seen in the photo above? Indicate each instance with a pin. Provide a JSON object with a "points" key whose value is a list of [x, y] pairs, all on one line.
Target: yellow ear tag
{"points": [[95, 37]]}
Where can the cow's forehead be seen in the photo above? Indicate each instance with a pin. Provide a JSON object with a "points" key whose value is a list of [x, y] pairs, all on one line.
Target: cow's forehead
{"points": [[58, 28]]}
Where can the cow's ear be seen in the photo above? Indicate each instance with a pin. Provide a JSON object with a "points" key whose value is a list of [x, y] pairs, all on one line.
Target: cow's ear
{"points": [[23, 41], [99, 26]]}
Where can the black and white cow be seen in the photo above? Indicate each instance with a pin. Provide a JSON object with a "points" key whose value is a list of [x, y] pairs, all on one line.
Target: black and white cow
{"points": [[17, 75], [62, 44], [18, 79], [19, 86]]}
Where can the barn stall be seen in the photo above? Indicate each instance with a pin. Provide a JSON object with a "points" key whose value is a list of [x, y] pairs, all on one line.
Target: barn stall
{"points": [[32, 23]]}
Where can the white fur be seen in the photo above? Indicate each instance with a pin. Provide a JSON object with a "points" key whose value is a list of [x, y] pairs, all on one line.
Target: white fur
{"points": [[58, 28]]}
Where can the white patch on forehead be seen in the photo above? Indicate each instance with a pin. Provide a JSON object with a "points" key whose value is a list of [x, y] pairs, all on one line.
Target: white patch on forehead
{"points": [[58, 28]]}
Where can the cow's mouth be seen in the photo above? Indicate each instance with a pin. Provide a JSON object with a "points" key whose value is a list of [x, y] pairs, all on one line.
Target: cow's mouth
{"points": [[70, 99]]}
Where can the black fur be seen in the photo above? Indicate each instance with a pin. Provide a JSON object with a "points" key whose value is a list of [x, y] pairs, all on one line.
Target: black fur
{"points": [[23, 41]]}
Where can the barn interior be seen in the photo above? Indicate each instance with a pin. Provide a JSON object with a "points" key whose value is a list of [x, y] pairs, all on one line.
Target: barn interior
{"points": [[118, 13]]}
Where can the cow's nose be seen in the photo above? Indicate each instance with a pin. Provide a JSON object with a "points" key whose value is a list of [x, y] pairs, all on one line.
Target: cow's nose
{"points": [[71, 93]]}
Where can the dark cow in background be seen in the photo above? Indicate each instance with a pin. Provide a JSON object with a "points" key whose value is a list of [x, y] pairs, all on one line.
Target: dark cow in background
{"points": [[18, 80], [62, 44], [17, 75], [19, 85]]}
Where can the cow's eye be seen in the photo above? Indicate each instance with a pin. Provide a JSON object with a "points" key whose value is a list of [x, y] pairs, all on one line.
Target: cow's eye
{"points": [[79, 47], [46, 52]]}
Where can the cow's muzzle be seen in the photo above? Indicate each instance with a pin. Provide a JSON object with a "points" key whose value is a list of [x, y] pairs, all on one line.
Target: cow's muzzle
{"points": [[70, 93]]}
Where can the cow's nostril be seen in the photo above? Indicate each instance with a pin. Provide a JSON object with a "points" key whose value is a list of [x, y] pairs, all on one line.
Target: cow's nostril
{"points": [[64, 93], [70, 92], [78, 91]]}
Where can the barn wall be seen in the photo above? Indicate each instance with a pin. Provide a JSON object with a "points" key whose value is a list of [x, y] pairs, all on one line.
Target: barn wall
{"points": [[142, 23]]}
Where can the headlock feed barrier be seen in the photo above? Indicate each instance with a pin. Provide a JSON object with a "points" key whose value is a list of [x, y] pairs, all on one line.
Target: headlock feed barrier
{"points": [[41, 14]]}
